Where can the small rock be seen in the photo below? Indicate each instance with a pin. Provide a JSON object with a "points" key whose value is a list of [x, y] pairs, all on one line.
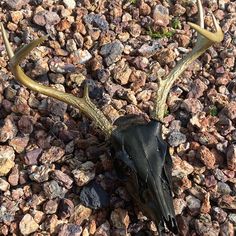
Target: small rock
{"points": [[43, 18], [50, 207], [176, 138], [193, 204], [94, 196], [62, 178], [7, 157], [69, 4], [4, 185], [165, 56], [56, 108], [19, 143], [25, 125], [120, 218], [85, 173], [144, 8], [40, 173], [96, 20], [192, 105], [223, 188], [206, 227], [161, 15], [14, 176], [122, 72], [111, 52], [81, 56], [206, 206], [207, 157], [227, 229], [17, 4], [103, 229], [70, 230], [181, 168], [31, 157], [179, 205], [71, 45], [178, 10], [197, 89], [66, 208], [232, 218], [52, 155], [227, 202], [53, 190], [230, 110], [8, 130], [219, 214], [231, 157], [28, 225], [81, 214]]}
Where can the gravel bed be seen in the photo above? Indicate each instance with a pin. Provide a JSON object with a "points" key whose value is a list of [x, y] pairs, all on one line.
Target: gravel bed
{"points": [[53, 159]]}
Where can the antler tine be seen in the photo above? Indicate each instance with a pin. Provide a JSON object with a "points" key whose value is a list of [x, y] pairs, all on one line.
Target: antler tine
{"points": [[204, 40], [84, 104]]}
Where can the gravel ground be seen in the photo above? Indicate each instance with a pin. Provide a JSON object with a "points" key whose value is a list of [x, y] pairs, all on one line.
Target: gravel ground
{"points": [[52, 158]]}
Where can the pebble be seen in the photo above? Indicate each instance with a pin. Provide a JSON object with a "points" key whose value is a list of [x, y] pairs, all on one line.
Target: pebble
{"points": [[206, 227], [85, 173], [4, 185], [66, 208], [161, 15], [50, 207], [7, 156], [19, 143], [223, 188], [70, 230], [31, 157], [81, 214], [97, 20], [81, 56], [193, 204], [52, 155], [62, 178], [122, 72], [103, 229], [45, 17], [17, 4], [176, 138], [207, 157], [25, 125], [28, 225], [14, 176], [230, 110], [179, 205], [120, 218], [192, 105], [111, 52], [40, 174], [53, 190], [231, 157], [227, 229], [71, 4], [181, 168], [8, 130], [219, 214], [232, 218], [94, 196]]}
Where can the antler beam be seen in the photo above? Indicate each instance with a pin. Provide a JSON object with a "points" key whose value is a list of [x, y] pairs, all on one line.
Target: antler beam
{"points": [[84, 104], [205, 39]]}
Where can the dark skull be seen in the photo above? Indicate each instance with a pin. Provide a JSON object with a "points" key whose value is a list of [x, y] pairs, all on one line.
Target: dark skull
{"points": [[142, 159]]}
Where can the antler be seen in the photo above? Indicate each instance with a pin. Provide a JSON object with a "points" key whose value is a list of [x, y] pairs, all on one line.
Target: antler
{"points": [[84, 104], [205, 39]]}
